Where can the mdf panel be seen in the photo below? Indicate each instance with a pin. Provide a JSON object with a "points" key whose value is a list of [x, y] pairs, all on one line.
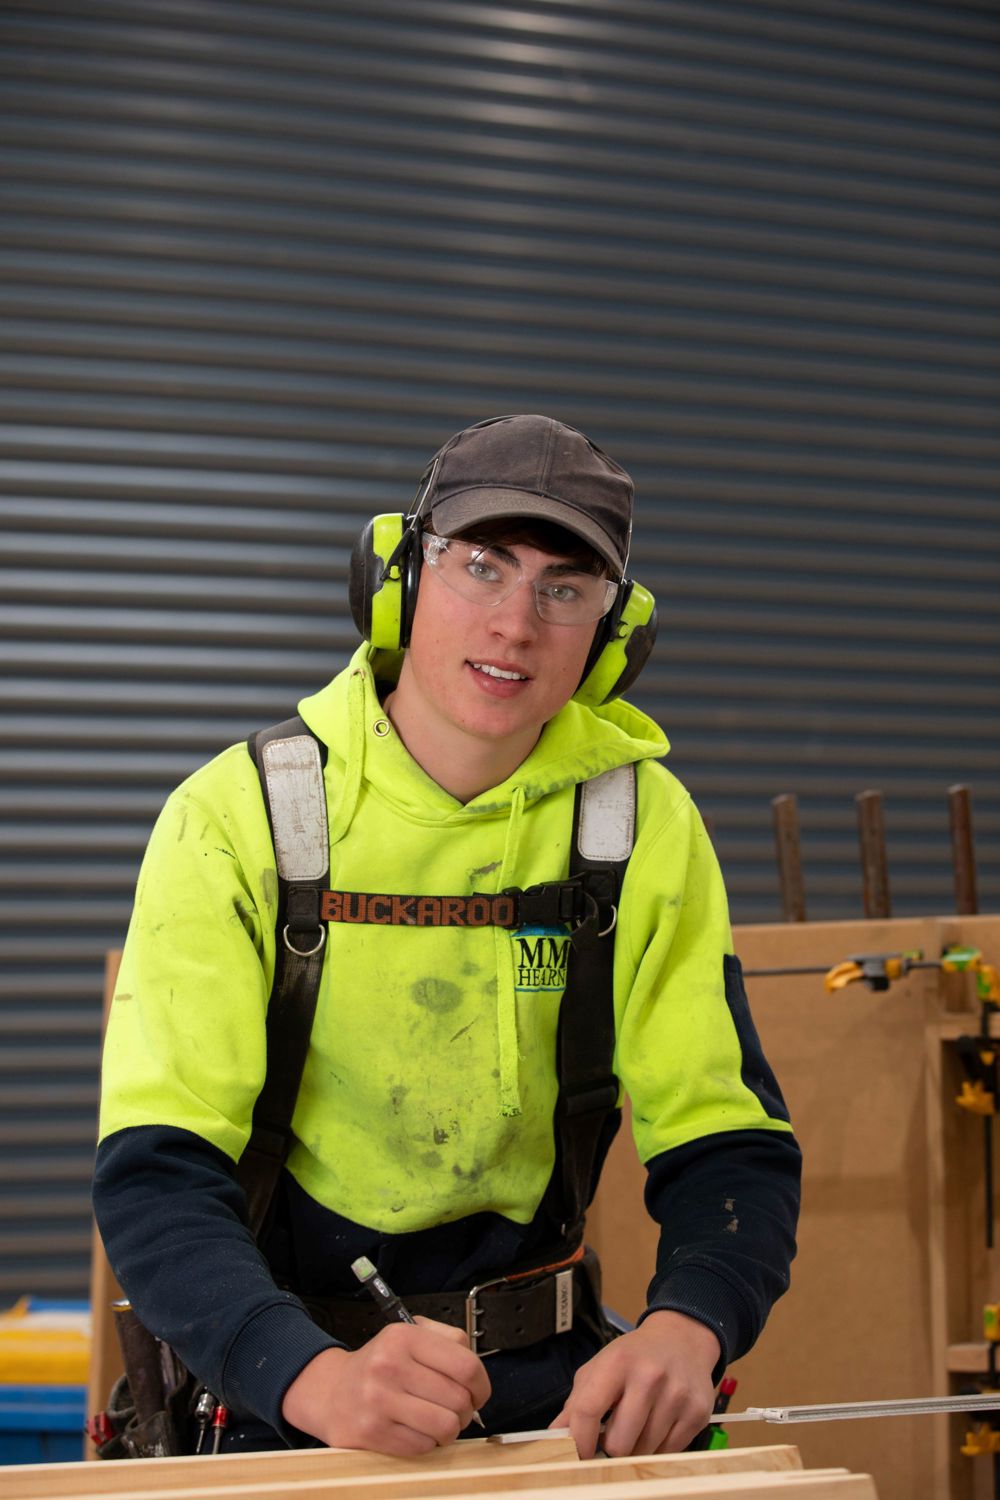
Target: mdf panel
{"points": [[892, 1269]]}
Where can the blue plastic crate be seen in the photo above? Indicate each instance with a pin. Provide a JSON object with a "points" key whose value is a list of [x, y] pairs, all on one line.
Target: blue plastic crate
{"points": [[41, 1423]]}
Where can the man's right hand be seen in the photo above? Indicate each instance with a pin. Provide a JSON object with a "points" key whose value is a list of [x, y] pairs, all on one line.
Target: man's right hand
{"points": [[411, 1388]]}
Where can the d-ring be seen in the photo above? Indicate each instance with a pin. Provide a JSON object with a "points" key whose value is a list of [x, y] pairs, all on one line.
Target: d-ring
{"points": [[308, 952], [611, 925]]}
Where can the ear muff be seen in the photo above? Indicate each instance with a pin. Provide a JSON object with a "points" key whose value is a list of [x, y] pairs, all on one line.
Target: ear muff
{"points": [[382, 588], [621, 647]]}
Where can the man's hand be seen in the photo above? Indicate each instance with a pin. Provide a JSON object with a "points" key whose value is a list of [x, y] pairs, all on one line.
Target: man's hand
{"points": [[655, 1382], [409, 1389]]}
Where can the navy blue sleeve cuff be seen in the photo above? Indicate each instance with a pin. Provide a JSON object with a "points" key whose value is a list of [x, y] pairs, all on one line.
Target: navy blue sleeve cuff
{"points": [[706, 1297], [727, 1207], [268, 1353]]}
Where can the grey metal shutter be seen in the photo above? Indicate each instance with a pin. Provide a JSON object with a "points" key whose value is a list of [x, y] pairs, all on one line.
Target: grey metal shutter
{"points": [[259, 259]]}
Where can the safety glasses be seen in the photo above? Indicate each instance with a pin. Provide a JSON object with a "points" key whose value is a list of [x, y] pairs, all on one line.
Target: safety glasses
{"points": [[489, 575]]}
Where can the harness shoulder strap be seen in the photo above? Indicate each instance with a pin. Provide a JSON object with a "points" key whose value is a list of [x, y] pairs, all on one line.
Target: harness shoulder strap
{"points": [[603, 836], [289, 761]]}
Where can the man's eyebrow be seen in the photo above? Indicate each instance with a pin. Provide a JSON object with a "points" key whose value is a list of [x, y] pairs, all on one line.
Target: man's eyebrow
{"points": [[503, 553], [563, 569], [553, 570]]}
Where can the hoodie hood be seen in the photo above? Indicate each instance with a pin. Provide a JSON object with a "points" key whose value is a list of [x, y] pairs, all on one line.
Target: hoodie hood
{"points": [[575, 745], [578, 743]]}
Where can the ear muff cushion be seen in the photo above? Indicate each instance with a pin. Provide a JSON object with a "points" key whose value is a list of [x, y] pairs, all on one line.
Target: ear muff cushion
{"points": [[360, 584], [621, 648]]}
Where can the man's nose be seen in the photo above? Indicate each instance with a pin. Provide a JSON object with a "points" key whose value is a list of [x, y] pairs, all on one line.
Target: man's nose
{"points": [[516, 618]]}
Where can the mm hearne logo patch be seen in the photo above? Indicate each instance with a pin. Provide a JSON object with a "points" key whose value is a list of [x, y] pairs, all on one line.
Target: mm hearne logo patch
{"points": [[540, 957]]}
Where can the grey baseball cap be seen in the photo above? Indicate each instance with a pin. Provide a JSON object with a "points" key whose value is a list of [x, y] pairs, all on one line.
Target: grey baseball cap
{"points": [[532, 466]]}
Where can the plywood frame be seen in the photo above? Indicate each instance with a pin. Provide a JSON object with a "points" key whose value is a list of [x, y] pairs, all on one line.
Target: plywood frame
{"points": [[891, 1271]]}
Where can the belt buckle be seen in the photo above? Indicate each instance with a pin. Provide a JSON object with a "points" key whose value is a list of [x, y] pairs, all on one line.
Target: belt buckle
{"points": [[473, 1312], [563, 1286]]}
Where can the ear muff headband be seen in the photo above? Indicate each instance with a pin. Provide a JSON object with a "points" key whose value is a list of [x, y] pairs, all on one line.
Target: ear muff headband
{"points": [[621, 649]]}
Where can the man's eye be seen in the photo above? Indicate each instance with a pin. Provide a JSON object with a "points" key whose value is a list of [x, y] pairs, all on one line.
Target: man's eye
{"points": [[561, 592], [481, 572]]}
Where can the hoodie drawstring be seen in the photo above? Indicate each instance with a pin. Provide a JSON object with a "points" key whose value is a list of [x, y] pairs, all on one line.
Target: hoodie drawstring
{"points": [[355, 759], [510, 1093]]}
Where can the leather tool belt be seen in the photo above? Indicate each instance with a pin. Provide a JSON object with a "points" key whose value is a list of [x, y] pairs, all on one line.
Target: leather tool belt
{"points": [[504, 1312]]}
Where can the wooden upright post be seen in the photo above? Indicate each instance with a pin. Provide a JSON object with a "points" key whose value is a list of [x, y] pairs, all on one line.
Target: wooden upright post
{"points": [[963, 852], [105, 1355], [786, 843], [874, 867]]}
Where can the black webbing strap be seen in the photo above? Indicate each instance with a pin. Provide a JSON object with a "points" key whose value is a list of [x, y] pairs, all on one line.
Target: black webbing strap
{"points": [[588, 1088], [300, 948], [557, 904]]}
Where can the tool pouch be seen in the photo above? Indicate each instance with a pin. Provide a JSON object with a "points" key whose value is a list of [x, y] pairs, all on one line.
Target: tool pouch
{"points": [[149, 1411], [106, 1429], [118, 1432], [592, 1310], [155, 1438]]}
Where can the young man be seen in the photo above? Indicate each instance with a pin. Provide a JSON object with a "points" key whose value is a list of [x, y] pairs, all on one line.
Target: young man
{"points": [[424, 1125]]}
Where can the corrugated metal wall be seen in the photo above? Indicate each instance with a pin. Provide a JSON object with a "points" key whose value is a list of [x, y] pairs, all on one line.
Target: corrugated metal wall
{"points": [[259, 259]]}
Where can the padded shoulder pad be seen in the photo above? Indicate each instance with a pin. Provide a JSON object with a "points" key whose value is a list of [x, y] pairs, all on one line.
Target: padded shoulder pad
{"points": [[606, 827], [292, 773]]}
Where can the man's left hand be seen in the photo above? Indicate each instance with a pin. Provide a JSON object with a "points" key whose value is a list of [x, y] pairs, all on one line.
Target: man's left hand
{"points": [[655, 1384]]}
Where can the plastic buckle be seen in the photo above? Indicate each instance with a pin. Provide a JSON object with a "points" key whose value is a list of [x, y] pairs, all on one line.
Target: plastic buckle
{"points": [[556, 902]]}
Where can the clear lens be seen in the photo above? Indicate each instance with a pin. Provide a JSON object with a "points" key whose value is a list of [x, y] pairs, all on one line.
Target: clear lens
{"points": [[485, 576]]}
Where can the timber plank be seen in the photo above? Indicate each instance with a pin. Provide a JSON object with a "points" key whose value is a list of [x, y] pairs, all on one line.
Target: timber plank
{"points": [[825, 1484], [600, 1484], [326, 1469], [121, 1477]]}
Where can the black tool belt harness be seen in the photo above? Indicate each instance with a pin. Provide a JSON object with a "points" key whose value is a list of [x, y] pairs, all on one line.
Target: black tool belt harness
{"points": [[502, 1312]]}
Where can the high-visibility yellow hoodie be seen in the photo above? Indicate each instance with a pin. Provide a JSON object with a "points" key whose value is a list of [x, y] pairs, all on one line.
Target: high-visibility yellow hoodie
{"points": [[424, 1123]]}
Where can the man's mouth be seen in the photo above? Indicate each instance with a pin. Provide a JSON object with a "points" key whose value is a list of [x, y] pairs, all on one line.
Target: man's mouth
{"points": [[498, 672]]}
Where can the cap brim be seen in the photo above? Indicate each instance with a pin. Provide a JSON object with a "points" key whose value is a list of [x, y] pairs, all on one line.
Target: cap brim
{"points": [[458, 512]]}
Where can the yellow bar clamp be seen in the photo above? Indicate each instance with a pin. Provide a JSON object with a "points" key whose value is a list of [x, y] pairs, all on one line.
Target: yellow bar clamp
{"points": [[975, 1098], [980, 1441]]}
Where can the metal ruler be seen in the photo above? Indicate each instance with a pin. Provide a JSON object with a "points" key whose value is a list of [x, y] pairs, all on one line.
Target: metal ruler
{"points": [[916, 1406], [912, 1407]]}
